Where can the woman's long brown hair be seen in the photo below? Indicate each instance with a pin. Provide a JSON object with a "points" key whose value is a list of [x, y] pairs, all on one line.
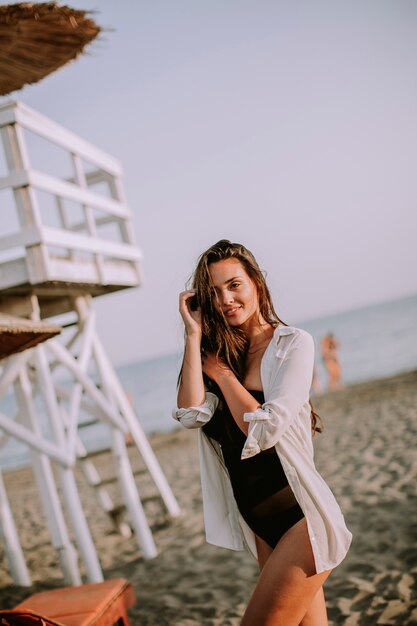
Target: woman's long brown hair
{"points": [[228, 342]]}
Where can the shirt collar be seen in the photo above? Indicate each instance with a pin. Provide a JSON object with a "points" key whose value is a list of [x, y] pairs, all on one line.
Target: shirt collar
{"points": [[283, 330]]}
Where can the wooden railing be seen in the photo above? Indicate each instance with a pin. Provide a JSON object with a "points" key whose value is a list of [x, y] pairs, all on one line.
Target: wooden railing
{"points": [[97, 249]]}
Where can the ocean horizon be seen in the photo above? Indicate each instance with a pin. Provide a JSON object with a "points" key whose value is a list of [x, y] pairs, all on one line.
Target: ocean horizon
{"points": [[376, 341]]}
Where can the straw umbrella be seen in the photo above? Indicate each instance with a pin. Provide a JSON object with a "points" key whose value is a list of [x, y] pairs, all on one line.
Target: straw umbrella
{"points": [[18, 334], [36, 38]]}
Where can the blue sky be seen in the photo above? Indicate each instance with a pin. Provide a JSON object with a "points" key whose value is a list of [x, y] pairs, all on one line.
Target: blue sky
{"points": [[290, 126]]}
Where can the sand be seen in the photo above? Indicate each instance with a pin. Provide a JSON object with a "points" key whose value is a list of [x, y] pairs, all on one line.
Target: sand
{"points": [[368, 456]]}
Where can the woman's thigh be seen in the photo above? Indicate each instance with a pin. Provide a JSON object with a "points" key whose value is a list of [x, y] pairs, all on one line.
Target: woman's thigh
{"points": [[287, 584], [316, 613]]}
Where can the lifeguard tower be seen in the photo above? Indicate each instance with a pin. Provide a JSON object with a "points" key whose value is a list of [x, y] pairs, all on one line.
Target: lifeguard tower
{"points": [[70, 240]]}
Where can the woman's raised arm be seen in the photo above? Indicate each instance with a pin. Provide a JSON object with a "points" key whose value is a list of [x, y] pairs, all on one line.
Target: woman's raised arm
{"points": [[191, 390]]}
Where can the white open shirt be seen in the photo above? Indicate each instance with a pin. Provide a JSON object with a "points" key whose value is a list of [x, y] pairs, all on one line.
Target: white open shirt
{"points": [[283, 422]]}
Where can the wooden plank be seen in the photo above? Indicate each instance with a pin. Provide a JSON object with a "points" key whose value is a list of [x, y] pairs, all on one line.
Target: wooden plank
{"points": [[13, 273], [70, 276], [81, 271], [68, 240], [28, 211], [26, 237], [10, 541], [7, 113], [94, 177], [118, 273], [17, 112], [123, 273], [14, 180], [35, 441], [100, 221], [61, 188], [58, 187], [88, 211]]}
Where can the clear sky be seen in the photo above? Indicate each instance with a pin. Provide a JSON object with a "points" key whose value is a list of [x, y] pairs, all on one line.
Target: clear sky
{"points": [[289, 126]]}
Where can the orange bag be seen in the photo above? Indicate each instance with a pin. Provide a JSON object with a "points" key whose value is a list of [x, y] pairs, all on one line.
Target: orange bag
{"points": [[24, 617]]}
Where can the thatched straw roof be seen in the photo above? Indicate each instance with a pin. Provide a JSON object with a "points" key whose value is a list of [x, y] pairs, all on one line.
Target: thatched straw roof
{"points": [[18, 334], [38, 38]]}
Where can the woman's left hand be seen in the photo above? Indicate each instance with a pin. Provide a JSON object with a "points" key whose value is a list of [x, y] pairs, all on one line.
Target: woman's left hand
{"points": [[214, 366]]}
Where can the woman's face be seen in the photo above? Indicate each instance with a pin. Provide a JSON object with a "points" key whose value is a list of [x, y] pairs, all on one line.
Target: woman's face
{"points": [[236, 294]]}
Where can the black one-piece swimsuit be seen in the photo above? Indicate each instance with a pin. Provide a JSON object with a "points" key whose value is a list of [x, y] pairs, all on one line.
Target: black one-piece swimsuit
{"points": [[260, 486]]}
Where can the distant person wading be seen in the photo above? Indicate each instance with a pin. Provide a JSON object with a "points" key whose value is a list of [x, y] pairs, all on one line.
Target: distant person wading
{"points": [[244, 384], [329, 353]]}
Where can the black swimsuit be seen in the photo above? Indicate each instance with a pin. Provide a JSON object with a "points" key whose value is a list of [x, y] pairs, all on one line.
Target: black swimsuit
{"points": [[260, 486]]}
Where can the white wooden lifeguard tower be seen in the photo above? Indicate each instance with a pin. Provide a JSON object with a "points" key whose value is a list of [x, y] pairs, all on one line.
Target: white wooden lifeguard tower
{"points": [[72, 240]]}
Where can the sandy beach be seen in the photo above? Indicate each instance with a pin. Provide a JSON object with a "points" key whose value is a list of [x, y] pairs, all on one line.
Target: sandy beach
{"points": [[367, 454]]}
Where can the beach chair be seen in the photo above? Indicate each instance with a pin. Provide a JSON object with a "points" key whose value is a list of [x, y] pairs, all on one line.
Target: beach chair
{"points": [[94, 604]]}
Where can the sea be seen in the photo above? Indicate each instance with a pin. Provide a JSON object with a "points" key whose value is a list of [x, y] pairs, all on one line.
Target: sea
{"points": [[374, 342]]}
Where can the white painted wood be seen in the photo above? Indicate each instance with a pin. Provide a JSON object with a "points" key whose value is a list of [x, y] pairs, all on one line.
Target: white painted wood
{"points": [[70, 363], [65, 239], [86, 405], [93, 177], [100, 221], [46, 486], [58, 187], [65, 223], [44, 261], [11, 368], [15, 150], [118, 273], [25, 237], [14, 179], [66, 270], [114, 272], [17, 112], [55, 186], [80, 451], [13, 272], [69, 488], [83, 358], [58, 263], [10, 540], [108, 403], [126, 226], [73, 271], [94, 480], [28, 212], [88, 212], [7, 114], [124, 471], [35, 442], [136, 431], [131, 497]]}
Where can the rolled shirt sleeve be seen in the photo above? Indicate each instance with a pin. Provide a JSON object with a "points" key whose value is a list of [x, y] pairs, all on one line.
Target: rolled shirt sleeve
{"points": [[197, 416], [290, 389]]}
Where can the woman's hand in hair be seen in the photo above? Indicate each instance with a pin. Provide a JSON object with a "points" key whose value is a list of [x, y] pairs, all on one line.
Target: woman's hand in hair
{"points": [[190, 312], [215, 367]]}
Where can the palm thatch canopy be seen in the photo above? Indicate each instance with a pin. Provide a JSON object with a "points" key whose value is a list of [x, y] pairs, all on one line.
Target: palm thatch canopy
{"points": [[36, 38], [18, 334]]}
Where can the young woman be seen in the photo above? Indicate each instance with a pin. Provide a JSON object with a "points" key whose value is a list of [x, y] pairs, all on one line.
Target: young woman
{"points": [[245, 383]]}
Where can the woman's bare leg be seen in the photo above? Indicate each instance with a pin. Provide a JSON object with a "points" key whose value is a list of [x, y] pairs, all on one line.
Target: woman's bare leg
{"points": [[316, 613], [288, 583]]}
